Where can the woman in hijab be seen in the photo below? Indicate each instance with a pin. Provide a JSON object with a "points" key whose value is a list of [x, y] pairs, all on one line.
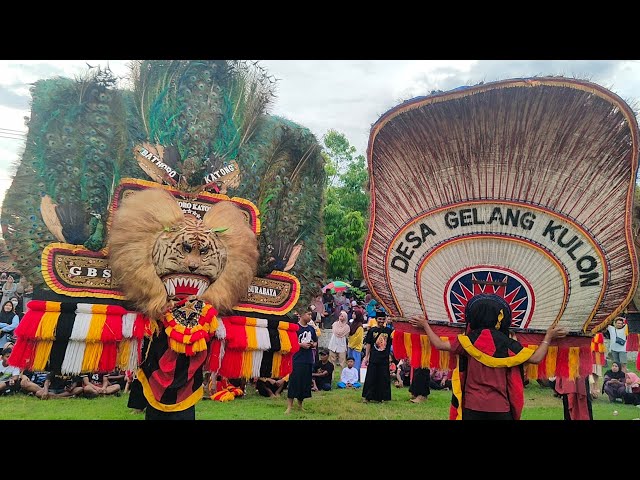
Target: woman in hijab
{"points": [[8, 322], [488, 382], [613, 384], [338, 342], [356, 337]]}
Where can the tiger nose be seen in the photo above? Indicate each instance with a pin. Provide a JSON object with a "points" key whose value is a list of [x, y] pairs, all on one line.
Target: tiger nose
{"points": [[193, 268]]}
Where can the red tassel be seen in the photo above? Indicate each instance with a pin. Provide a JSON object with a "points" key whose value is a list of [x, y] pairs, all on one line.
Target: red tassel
{"points": [[542, 369], [139, 326], [416, 350], [286, 364], [214, 355], [562, 363], [107, 361], [236, 336], [586, 362], [231, 364], [23, 353], [632, 342], [29, 324], [397, 342]]}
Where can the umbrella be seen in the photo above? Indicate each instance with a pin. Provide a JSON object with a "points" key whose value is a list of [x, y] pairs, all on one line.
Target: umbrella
{"points": [[336, 286]]}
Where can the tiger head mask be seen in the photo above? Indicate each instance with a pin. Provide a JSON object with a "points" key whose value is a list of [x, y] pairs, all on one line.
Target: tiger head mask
{"points": [[159, 255]]}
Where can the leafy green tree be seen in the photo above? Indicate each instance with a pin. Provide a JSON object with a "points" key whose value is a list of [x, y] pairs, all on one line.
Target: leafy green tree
{"points": [[347, 207]]}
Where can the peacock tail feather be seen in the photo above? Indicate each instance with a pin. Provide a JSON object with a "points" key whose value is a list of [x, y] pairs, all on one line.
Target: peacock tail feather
{"points": [[76, 145]]}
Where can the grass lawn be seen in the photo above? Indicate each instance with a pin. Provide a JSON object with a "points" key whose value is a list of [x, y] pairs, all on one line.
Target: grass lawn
{"points": [[540, 404]]}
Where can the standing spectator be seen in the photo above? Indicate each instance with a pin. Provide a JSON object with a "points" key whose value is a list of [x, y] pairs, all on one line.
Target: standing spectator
{"points": [[329, 307], [322, 374], [27, 293], [9, 374], [618, 342], [349, 375], [300, 376], [371, 310], [9, 320], [377, 344], [338, 342], [315, 322], [8, 289], [356, 338], [485, 392]]}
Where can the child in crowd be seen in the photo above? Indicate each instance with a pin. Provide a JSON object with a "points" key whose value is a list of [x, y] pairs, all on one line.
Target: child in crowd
{"points": [[349, 375]]}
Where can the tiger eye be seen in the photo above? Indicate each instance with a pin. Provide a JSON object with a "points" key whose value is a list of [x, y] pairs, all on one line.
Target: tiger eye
{"points": [[186, 247]]}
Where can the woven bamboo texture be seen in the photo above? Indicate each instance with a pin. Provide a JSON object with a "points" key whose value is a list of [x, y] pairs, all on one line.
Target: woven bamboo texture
{"points": [[521, 187]]}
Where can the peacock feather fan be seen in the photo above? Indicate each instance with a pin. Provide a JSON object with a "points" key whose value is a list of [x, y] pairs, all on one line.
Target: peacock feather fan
{"points": [[201, 112], [77, 141]]}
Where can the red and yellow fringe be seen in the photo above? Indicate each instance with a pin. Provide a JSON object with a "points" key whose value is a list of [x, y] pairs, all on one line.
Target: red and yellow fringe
{"points": [[569, 357]]}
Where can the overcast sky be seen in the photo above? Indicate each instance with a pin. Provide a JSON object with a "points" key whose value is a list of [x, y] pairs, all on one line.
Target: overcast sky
{"points": [[345, 95]]}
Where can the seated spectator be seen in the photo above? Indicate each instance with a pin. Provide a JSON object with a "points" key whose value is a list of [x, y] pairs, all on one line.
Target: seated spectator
{"points": [[97, 384], [631, 394], [403, 373], [349, 375], [440, 379], [9, 320], [9, 375], [613, 384], [33, 382], [271, 387], [393, 367], [118, 377], [322, 373], [61, 386]]}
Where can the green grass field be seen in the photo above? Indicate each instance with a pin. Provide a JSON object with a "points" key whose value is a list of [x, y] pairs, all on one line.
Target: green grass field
{"points": [[540, 404]]}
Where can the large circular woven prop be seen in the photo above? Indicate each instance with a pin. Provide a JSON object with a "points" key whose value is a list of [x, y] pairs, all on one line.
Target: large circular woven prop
{"points": [[521, 187]]}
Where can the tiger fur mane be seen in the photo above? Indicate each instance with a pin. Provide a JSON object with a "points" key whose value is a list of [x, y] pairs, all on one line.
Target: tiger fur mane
{"points": [[147, 235]]}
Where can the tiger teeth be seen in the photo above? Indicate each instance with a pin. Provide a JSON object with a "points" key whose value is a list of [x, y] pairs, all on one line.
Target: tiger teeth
{"points": [[171, 284]]}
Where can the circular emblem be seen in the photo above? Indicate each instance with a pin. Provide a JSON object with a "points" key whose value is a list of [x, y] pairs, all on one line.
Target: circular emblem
{"points": [[464, 285]]}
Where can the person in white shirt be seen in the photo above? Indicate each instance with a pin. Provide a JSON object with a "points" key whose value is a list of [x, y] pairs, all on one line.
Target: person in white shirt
{"points": [[349, 375], [618, 342], [9, 374]]}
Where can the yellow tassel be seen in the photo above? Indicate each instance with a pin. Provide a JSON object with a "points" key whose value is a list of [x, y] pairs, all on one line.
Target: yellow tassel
{"points": [[247, 364], [176, 346], [552, 356], [425, 349], [92, 353], [252, 337], [574, 362], [500, 317], [95, 328], [444, 357], [407, 344], [186, 339], [285, 343], [47, 326], [532, 371], [41, 357], [124, 351], [275, 364]]}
